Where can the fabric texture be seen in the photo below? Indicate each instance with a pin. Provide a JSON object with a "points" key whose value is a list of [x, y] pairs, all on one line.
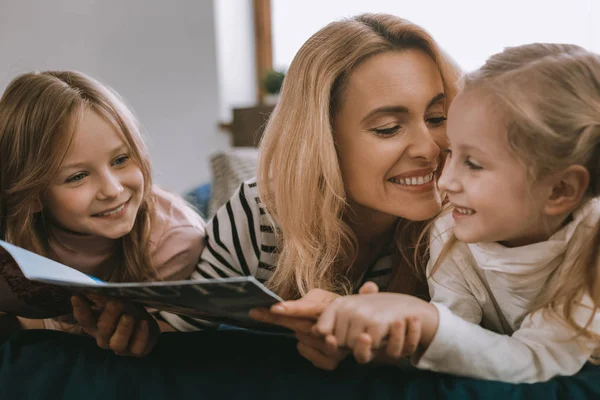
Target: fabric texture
{"points": [[235, 365], [229, 170]]}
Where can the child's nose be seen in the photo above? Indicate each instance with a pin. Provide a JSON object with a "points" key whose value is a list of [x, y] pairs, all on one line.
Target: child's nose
{"points": [[111, 187], [448, 182]]}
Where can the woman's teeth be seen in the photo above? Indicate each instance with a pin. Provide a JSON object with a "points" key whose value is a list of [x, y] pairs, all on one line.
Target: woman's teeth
{"points": [[421, 180], [112, 212]]}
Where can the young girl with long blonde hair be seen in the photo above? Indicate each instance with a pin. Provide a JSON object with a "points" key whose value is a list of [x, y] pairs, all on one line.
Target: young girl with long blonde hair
{"points": [[513, 263], [76, 186]]}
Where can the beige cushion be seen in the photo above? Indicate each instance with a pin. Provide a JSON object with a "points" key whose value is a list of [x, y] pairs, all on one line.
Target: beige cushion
{"points": [[229, 169]]}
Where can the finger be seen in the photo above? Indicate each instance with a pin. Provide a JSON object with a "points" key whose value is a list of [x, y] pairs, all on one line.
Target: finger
{"points": [[326, 323], [356, 327], [376, 332], [294, 323], [396, 340], [107, 323], [326, 347], [368, 288], [309, 306], [99, 302], [83, 314], [318, 359], [299, 308], [331, 346], [312, 341], [362, 351], [119, 342], [140, 342], [413, 336], [342, 325]]}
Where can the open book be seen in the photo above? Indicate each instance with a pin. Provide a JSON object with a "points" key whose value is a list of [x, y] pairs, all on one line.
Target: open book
{"points": [[225, 300]]}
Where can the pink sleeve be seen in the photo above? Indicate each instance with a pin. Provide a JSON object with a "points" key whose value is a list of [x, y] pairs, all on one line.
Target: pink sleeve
{"points": [[178, 251]]}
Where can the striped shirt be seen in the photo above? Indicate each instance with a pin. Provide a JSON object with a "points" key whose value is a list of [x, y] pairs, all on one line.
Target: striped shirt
{"points": [[241, 240]]}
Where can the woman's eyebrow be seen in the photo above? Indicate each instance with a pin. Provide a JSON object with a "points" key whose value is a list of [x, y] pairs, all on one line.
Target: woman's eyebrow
{"points": [[400, 109]]}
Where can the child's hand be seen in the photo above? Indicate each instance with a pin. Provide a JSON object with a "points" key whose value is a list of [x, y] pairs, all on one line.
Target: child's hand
{"points": [[403, 340], [123, 327], [363, 322]]}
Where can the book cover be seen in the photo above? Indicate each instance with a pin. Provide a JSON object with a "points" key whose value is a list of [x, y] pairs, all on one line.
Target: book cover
{"points": [[37, 287]]}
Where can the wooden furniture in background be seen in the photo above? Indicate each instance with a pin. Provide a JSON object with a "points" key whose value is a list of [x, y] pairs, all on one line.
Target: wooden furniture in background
{"points": [[263, 44], [248, 125]]}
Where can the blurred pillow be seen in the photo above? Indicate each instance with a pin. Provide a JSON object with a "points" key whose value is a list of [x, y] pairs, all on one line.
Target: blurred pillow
{"points": [[229, 169], [199, 198]]}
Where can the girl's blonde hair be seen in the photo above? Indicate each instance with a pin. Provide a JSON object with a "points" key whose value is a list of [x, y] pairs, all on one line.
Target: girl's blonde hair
{"points": [[549, 98], [39, 113], [299, 178]]}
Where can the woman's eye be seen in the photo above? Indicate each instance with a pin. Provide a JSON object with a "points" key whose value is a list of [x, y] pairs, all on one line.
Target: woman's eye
{"points": [[437, 121], [471, 164], [76, 178], [386, 131], [121, 160]]}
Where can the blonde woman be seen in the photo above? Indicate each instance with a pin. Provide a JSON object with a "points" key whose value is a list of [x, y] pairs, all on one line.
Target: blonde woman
{"points": [[347, 175]]}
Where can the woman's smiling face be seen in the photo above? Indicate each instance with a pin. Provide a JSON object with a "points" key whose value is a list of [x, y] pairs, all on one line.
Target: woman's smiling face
{"points": [[389, 127]]}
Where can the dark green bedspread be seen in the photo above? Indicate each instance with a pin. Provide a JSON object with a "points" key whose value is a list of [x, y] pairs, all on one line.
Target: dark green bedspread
{"points": [[235, 364]]}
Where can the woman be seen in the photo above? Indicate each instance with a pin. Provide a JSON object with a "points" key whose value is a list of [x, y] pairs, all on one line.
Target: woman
{"points": [[346, 181]]}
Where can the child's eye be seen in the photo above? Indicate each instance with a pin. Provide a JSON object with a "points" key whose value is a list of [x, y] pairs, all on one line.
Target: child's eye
{"points": [[386, 131], [76, 178], [447, 153], [437, 121], [471, 164], [121, 160]]}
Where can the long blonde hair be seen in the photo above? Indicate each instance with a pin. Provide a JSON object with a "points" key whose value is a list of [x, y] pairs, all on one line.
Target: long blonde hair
{"points": [[299, 178], [38, 116], [549, 98]]}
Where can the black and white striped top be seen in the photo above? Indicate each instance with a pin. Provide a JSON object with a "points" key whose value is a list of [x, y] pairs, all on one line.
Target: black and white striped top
{"points": [[241, 242]]}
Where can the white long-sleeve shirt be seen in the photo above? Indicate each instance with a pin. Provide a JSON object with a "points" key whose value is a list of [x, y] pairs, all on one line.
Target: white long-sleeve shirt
{"points": [[485, 295]]}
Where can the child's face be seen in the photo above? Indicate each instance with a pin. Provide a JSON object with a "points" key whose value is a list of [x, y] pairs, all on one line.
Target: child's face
{"points": [[494, 199], [98, 189]]}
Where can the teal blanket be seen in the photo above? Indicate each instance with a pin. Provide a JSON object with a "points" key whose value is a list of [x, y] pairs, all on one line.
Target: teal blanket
{"points": [[235, 364]]}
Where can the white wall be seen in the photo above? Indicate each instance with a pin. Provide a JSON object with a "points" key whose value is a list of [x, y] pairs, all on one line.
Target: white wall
{"points": [[160, 55], [235, 55], [469, 30]]}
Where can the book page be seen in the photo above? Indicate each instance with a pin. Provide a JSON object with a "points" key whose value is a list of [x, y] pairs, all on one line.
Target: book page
{"points": [[42, 269]]}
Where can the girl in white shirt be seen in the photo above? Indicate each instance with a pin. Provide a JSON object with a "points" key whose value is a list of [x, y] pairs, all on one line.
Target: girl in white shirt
{"points": [[512, 264]]}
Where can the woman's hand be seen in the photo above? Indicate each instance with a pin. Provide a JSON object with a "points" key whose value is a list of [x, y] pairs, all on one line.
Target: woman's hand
{"points": [[300, 316], [319, 352], [123, 327], [297, 315], [365, 322]]}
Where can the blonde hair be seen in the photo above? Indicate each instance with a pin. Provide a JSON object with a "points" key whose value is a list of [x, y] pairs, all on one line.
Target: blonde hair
{"points": [[38, 117], [549, 98], [299, 178]]}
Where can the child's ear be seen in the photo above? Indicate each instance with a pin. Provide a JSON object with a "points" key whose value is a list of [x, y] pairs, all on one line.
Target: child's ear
{"points": [[568, 190]]}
